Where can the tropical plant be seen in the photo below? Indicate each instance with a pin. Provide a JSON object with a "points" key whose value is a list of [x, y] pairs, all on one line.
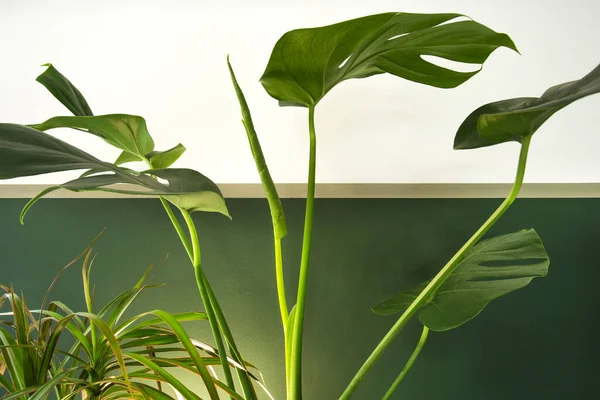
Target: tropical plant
{"points": [[307, 63], [111, 355], [304, 66]]}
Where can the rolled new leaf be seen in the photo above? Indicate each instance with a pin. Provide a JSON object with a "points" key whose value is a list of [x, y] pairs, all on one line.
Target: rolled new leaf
{"points": [[512, 119], [491, 269], [277, 214], [308, 63]]}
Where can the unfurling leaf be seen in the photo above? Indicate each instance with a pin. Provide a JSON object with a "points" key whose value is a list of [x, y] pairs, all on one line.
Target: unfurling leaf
{"points": [[491, 269], [307, 63], [275, 206], [64, 91], [513, 119]]}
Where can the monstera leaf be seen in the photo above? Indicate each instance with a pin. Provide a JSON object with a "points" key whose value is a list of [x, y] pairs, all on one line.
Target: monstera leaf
{"points": [[513, 119], [307, 63], [492, 268], [25, 151], [126, 132]]}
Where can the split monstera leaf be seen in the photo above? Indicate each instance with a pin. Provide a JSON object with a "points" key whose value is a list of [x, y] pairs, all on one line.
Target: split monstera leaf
{"points": [[28, 150], [500, 265]]}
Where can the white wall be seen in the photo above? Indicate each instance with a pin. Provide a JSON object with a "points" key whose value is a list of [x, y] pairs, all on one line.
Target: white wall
{"points": [[165, 60]]}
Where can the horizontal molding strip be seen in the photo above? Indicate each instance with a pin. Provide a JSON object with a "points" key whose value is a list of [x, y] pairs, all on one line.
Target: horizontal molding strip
{"points": [[359, 190]]}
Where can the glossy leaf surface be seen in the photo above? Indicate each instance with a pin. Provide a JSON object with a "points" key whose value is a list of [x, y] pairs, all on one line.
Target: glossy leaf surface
{"points": [[493, 268], [306, 63], [512, 119]]}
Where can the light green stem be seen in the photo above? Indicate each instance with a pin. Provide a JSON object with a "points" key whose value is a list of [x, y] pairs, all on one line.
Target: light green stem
{"points": [[409, 364], [296, 356], [206, 300], [182, 235], [283, 308], [442, 276]]}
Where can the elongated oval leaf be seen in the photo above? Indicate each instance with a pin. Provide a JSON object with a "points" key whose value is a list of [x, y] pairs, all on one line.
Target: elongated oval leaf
{"points": [[275, 206], [64, 91], [513, 119], [307, 63], [493, 268], [126, 132]]}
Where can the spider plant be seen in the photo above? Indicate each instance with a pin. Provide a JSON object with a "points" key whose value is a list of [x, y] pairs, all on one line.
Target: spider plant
{"points": [[111, 355]]}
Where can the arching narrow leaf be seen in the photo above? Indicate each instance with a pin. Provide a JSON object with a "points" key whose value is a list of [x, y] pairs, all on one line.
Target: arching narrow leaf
{"points": [[307, 63], [277, 214], [126, 132], [513, 119], [493, 268], [64, 91]]}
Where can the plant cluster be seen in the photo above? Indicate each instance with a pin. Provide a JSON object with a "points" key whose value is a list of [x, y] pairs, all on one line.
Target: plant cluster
{"points": [[304, 66]]}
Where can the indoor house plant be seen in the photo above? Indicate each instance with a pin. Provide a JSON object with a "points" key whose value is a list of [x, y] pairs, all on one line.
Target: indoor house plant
{"points": [[304, 66]]}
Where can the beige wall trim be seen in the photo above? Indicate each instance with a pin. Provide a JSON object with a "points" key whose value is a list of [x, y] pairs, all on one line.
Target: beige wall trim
{"points": [[368, 190]]}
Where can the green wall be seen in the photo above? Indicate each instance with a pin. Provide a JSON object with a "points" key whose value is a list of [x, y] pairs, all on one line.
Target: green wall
{"points": [[537, 343]]}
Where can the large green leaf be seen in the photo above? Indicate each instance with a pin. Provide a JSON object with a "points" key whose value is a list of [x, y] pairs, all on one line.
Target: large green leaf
{"points": [[513, 119], [307, 63], [25, 151], [493, 268], [126, 132], [64, 91]]}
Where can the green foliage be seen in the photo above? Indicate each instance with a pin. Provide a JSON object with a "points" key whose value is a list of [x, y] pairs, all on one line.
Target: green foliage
{"points": [[126, 132], [513, 119], [308, 63], [111, 357], [64, 91], [491, 269]]}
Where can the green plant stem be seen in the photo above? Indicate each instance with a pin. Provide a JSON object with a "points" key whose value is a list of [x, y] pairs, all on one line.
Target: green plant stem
{"points": [[442, 275], [296, 356], [182, 235], [208, 305], [243, 375], [409, 364], [283, 308]]}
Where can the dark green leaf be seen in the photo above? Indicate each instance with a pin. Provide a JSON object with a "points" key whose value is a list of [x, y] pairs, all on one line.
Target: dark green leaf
{"points": [[126, 132], [493, 268], [307, 63], [513, 119], [25, 151], [64, 91], [277, 215], [164, 159]]}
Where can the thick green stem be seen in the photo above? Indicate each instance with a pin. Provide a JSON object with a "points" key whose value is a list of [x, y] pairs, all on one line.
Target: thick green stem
{"points": [[206, 300], [296, 356], [442, 276], [409, 364]]}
